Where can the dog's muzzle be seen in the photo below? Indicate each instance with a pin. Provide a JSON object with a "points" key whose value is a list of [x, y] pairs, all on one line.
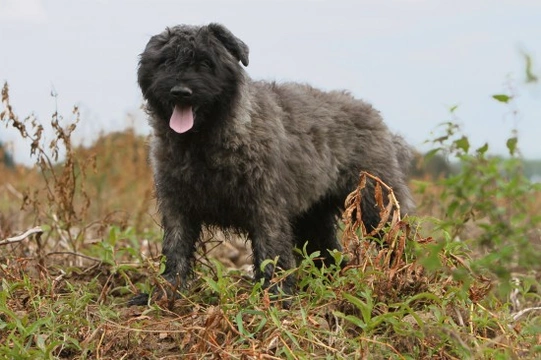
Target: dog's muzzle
{"points": [[181, 91]]}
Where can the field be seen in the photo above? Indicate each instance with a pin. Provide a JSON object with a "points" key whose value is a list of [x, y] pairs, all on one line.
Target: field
{"points": [[80, 236]]}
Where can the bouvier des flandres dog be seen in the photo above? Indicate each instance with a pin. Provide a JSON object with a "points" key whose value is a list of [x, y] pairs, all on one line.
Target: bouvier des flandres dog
{"points": [[274, 161]]}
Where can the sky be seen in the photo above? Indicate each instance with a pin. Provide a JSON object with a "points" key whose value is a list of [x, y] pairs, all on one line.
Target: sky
{"points": [[412, 59]]}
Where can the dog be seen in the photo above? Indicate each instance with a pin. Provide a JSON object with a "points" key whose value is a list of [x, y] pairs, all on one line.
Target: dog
{"points": [[273, 161]]}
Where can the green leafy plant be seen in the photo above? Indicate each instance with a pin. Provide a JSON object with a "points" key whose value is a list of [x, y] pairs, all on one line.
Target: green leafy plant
{"points": [[488, 204]]}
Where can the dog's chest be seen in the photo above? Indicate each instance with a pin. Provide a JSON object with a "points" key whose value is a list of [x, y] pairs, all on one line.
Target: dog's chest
{"points": [[213, 163], [224, 180]]}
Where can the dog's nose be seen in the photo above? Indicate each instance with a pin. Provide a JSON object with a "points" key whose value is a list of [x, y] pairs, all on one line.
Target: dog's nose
{"points": [[181, 91]]}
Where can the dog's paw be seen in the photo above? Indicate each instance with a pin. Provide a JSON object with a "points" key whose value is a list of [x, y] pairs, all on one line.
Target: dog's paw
{"points": [[163, 297]]}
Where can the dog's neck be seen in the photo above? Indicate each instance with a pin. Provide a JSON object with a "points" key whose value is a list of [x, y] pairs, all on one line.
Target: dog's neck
{"points": [[236, 117]]}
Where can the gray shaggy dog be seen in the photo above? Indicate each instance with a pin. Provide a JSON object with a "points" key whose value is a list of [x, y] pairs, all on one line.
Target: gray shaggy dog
{"points": [[274, 161]]}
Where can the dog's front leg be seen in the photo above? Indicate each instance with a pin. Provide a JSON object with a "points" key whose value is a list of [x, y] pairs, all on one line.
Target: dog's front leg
{"points": [[179, 240], [273, 239]]}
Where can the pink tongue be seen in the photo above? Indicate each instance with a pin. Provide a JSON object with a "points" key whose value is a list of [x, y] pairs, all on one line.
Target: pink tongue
{"points": [[182, 119]]}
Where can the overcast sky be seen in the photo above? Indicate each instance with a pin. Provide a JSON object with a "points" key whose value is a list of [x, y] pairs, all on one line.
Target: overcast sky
{"points": [[412, 59]]}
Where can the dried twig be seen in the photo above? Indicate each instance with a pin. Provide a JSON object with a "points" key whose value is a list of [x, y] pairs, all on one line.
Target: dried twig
{"points": [[10, 188], [26, 234], [520, 313], [57, 281], [74, 254]]}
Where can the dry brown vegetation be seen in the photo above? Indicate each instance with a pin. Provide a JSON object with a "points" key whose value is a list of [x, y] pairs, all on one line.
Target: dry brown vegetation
{"points": [[414, 294]]}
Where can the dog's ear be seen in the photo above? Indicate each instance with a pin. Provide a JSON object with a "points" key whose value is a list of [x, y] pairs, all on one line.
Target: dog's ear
{"points": [[232, 43]]}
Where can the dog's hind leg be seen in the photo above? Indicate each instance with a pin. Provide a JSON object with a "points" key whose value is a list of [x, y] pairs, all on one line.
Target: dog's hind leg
{"points": [[317, 229]]}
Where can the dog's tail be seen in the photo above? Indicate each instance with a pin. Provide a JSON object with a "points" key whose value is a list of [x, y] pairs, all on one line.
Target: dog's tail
{"points": [[404, 153], [404, 156]]}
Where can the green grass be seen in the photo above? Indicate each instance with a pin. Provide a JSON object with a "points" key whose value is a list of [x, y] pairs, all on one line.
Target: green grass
{"points": [[359, 311]]}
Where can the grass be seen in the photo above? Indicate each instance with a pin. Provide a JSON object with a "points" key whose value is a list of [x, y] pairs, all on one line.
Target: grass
{"points": [[460, 281]]}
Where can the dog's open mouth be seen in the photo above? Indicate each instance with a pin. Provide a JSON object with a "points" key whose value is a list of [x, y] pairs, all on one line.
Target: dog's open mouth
{"points": [[182, 118]]}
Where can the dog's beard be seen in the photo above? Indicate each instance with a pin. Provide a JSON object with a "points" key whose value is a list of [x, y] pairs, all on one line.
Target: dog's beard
{"points": [[182, 118]]}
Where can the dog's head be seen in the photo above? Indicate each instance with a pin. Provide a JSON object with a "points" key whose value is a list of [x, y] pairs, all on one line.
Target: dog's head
{"points": [[190, 72]]}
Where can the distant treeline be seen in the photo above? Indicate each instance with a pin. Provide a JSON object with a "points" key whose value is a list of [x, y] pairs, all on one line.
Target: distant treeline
{"points": [[438, 166], [532, 169]]}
